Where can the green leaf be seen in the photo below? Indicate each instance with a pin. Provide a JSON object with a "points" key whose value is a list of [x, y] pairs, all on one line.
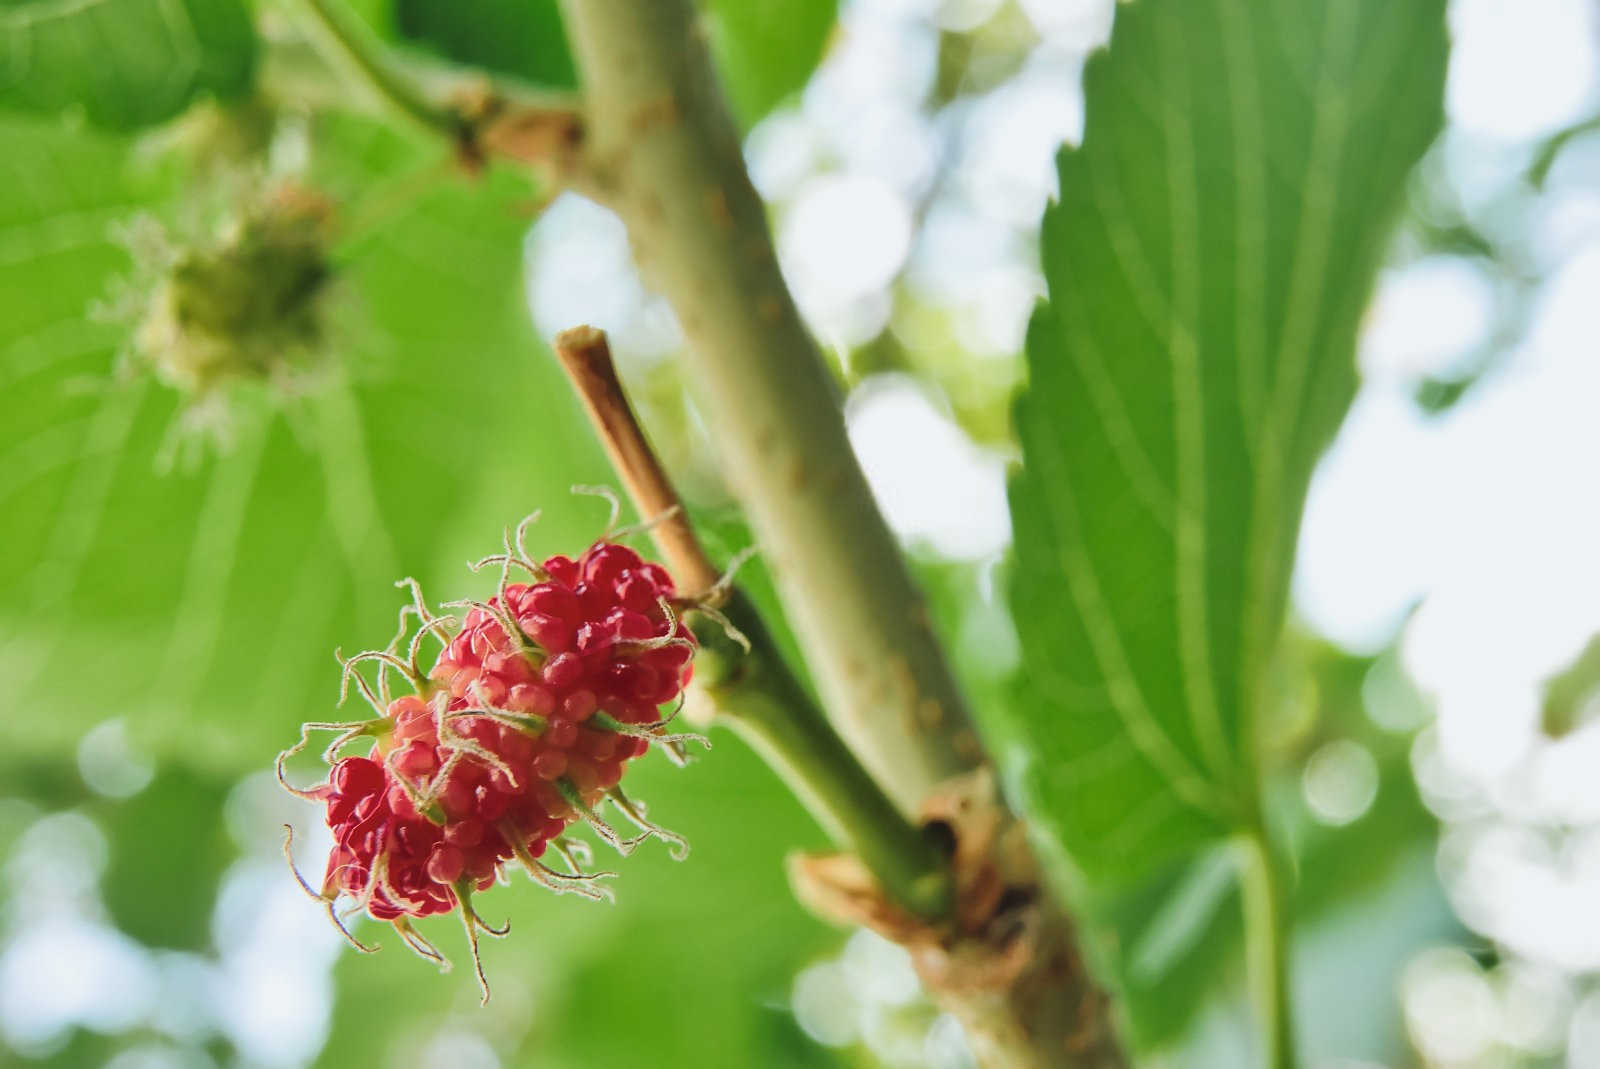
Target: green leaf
{"points": [[1214, 244], [168, 850], [205, 606], [766, 49], [126, 63], [524, 38], [1567, 693]]}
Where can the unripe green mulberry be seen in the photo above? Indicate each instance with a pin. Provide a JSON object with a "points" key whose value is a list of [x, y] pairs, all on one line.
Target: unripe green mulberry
{"points": [[250, 305]]}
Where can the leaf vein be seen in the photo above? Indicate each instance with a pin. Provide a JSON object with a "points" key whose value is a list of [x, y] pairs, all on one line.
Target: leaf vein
{"points": [[1136, 464], [1105, 643]]}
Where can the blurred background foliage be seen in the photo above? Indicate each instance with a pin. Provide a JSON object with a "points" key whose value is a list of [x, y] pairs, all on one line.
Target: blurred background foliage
{"points": [[176, 573]]}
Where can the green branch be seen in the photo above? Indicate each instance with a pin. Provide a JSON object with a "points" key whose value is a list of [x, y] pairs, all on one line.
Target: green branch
{"points": [[757, 695], [479, 119], [350, 45], [664, 154]]}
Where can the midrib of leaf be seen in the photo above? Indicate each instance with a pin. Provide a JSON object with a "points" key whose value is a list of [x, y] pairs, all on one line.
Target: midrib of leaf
{"points": [[1268, 546], [1188, 414], [1250, 231]]}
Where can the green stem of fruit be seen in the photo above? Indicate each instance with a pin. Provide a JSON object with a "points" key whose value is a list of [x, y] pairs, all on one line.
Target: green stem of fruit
{"points": [[662, 151], [757, 694], [1268, 921], [350, 45], [1545, 158]]}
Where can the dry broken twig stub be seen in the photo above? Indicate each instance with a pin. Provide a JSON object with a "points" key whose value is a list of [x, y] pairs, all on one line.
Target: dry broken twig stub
{"points": [[586, 356]]}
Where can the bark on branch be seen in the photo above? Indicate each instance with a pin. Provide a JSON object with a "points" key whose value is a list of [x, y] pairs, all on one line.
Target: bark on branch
{"points": [[662, 152]]}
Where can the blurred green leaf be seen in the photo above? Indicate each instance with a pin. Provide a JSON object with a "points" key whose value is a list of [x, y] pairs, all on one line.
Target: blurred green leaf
{"points": [[1349, 965], [1214, 245], [766, 49], [1569, 690], [1181, 933], [523, 38], [81, 1048], [126, 63], [1434, 396], [168, 849], [205, 606], [47, 782]]}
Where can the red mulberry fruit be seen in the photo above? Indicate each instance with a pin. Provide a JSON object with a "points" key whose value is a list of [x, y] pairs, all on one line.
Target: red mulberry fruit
{"points": [[522, 727]]}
